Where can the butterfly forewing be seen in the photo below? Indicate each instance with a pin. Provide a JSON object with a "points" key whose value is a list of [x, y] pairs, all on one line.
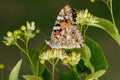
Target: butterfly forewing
{"points": [[65, 33]]}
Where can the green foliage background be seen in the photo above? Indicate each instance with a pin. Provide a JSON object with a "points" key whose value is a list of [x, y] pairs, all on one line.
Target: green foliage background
{"points": [[13, 13]]}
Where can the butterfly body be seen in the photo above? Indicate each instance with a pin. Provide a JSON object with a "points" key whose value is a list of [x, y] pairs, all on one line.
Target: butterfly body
{"points": [[65, 32]]}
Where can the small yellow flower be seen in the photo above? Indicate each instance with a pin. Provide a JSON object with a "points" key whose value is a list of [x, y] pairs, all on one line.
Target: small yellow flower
{"points": [[2, 66], [7, 43], [16, 32], [72, 59], [88, 15], [18, 37], [37, 30], [92, 1], [65, 61], [9, 34], [23, 28], [42, 61]]}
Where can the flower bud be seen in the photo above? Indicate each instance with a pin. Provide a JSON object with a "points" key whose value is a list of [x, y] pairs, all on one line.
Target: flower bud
{"points": [[65, 61], [16, 32], [23, 28], [42, 61], [37, 30], [9, 33], [7, 43], [92, 1], [2, 66]]}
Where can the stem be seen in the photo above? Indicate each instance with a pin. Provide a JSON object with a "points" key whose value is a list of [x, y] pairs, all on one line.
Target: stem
{"points": [[111, 11], [26, 45], [47, 69], [53, 62], [20, 48], [85, 29], [109, 5], [56, 61], [80, 27], [53, 69], [1, 74], [22, 40], [75, 70], [26, 52]]}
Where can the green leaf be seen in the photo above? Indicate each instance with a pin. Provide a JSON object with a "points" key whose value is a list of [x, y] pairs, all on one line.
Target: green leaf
{"points": [[37, 68], [81, 68], [72, 75], [15, 71], [95, 75], [25, 57], [97, 57], [92, 58], [86, 56], [109, 27], [39, 49], [32, 77]]}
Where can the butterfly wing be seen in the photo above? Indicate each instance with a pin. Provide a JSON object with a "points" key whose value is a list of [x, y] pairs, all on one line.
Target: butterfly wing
{"points": [[65, 33]]}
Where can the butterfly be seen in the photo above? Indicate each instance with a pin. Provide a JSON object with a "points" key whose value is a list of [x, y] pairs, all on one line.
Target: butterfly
{"points": [[65, 33]]}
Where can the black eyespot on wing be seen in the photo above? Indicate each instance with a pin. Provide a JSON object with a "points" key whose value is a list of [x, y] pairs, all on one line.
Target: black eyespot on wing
{"points": [[74, 14], [81, 45], [73, 10], [57, 25], [54, 30], [65, 20], [59, 30]]}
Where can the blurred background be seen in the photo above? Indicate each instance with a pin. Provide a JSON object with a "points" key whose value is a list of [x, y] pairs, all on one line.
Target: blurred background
{"points": [[14, 13]]}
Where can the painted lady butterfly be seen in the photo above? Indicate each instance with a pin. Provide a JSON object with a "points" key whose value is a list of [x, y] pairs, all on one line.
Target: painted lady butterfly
{"points": [[65, 32]]}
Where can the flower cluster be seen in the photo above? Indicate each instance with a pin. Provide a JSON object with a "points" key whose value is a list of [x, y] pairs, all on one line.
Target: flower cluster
{"points": [[52, 54], [24, 34], [68, 59], [85, 18], [72, 59]]}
